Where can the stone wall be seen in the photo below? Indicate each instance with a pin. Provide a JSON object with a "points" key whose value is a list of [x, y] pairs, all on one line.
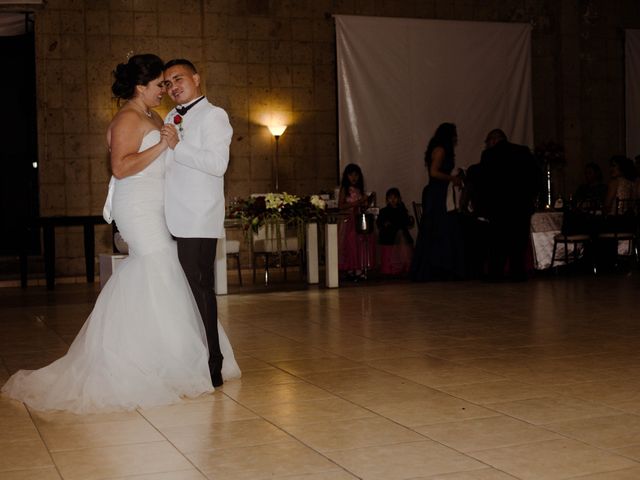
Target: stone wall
{"points": [[264, 60]]}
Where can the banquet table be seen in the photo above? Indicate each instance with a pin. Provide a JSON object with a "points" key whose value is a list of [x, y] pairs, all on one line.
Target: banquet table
{"points": [[546, 225], [311, 244]]}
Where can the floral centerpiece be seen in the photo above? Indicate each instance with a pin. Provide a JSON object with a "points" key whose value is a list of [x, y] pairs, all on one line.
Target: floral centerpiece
{"points": [[273, 209]]}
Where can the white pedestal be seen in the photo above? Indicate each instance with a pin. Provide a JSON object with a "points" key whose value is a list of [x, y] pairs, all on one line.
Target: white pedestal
{"points": [[312, 253], [331, 255], [220, 267], [108, 265]]}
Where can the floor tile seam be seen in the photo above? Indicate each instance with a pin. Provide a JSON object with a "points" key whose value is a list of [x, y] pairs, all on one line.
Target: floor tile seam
{"points": [[581, 417], [397, 423], [13, 470], [448, 447], [43, 442], [95, 447], [440, 374], [582, 476], [313, 372], [42, 319], [608, 415], [558, 395], [221, 449], [338, 331], [346, 399], [293, 437], [503, 414], [138, 475], [167, 440], [520, 444], [615, 451], [564, 438]]}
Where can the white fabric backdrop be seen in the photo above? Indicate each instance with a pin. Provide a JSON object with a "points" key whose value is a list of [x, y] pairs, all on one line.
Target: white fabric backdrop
{"points": [[632, 91], [398, 79]]}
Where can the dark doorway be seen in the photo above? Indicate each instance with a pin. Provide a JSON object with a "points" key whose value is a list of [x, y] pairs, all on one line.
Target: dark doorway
{"points": [[19, 140]]}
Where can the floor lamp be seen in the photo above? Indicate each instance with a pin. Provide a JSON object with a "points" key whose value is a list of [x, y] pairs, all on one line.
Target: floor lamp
{"points": [[276, 131]]}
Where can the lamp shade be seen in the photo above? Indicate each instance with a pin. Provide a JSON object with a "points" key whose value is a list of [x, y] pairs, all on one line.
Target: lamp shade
{"points": [[277, 130]]}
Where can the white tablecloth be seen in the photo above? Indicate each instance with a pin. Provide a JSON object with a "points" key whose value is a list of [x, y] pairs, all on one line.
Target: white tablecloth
{"points": [[544, 227]]}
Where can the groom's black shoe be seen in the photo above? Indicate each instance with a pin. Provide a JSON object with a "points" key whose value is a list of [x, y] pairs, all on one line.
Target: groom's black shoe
{"points": [[215, 367]]}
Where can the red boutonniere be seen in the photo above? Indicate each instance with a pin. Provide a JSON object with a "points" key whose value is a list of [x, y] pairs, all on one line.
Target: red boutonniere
{"points": [[177, 121]]}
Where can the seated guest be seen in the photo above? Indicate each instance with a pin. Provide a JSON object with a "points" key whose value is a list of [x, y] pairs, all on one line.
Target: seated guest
{"points": [[591, 194], [396, 244], [622, 183], [621, 187]]}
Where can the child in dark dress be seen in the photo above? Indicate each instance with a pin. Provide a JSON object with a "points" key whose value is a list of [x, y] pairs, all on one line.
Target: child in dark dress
{"points": [[396, 244]]}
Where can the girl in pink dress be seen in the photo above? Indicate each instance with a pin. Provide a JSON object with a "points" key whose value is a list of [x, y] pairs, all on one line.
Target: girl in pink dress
{"points": [[355, 251]]}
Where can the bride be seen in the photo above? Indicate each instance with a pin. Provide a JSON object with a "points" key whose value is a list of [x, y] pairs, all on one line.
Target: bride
{"points": [[144, 343]]}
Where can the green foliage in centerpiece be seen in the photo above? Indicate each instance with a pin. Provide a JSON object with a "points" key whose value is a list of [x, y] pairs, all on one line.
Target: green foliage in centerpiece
{"points": [[273, 209]]}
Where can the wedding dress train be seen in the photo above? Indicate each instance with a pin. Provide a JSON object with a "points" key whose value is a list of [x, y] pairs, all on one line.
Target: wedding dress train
{"points": [[144, 343]]}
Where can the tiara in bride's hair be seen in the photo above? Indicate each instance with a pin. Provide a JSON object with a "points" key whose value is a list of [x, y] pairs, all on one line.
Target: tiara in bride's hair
{"points": [[129, 55]]}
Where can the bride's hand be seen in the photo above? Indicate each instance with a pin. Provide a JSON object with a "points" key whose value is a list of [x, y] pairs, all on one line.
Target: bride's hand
{"points": [[170, 135]]}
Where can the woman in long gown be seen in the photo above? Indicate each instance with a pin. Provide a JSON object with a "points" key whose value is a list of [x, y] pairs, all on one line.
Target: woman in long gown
{"points": [[438, 254], [144, 342]]}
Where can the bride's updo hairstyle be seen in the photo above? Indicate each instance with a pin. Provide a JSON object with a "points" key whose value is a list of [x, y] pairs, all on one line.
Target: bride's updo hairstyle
{"points": [[139, 70]]}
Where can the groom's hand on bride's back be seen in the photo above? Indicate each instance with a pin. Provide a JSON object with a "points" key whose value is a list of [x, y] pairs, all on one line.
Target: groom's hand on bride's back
{"points": [[170, 134]]}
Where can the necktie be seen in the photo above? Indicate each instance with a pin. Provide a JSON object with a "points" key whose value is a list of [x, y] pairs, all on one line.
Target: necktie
{"points": [[183, 110]]}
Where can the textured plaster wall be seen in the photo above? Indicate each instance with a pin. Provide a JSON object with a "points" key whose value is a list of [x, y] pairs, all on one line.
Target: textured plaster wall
{"points": [[274, 60]]}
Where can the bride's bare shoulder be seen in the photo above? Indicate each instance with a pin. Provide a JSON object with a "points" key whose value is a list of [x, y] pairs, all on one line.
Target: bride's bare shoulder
{"points": [[125, 122]]}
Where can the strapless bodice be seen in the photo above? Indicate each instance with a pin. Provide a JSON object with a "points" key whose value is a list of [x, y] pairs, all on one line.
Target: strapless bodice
{"points": [[156, 168]]}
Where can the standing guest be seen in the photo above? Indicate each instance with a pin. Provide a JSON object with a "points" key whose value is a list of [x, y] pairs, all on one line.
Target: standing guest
{"points": [[439, 248], [194, 204], [511, 181], [355, 251], [396, 244]]}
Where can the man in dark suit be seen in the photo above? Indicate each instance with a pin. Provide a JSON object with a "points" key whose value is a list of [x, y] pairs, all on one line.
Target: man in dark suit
{"points": [[511, 180]]}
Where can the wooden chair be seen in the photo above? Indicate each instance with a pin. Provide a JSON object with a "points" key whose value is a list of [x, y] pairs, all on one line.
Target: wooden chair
{"points": [[417, 211]]}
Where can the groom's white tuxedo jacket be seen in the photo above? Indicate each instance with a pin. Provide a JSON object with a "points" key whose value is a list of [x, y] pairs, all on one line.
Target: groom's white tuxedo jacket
{"points": [[194, 183]]}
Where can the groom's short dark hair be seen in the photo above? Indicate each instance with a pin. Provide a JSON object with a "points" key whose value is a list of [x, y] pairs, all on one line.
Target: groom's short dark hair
{"points": [[180, 61]]}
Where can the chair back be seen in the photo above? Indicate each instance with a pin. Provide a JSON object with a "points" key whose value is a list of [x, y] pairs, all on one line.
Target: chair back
{"points": [[417, 211]]}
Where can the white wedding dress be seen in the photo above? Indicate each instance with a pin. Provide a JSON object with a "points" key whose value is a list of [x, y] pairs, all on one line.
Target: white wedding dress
{"points": [[144, 342]]}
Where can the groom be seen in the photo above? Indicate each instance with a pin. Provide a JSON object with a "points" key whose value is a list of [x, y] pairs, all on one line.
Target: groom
{"points": [[194, 196]]}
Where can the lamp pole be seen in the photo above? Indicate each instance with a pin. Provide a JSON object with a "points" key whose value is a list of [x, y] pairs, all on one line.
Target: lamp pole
{"points": [[277, 187], [276, 131]]}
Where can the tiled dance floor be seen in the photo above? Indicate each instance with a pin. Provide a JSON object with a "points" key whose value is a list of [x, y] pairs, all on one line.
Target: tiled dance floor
{"points": [[455, 381]]}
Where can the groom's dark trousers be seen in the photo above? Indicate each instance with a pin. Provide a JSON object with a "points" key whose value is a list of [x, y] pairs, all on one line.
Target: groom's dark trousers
{"points": [[197, 257]]}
